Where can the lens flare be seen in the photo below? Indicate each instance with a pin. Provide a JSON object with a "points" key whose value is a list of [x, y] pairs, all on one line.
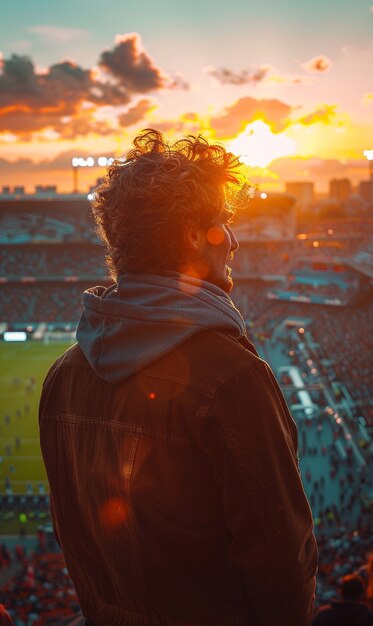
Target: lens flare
{"points": [[114, 512], [215, 235]]}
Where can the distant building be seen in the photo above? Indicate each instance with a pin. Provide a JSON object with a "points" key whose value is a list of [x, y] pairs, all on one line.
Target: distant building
{"points": [[46, 189], [366, 190], [302, 191], [340, 189]]}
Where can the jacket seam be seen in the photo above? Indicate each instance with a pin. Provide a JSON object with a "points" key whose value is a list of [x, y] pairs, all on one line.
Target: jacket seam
{"points": [[81, 420], [219, 383]]}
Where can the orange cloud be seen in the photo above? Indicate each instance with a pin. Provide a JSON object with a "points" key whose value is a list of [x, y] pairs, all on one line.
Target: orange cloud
{"points": [[235, 118], [291, 79], [189, 122], [325, 113], [136, 112], [190, 117], [317, 65]]}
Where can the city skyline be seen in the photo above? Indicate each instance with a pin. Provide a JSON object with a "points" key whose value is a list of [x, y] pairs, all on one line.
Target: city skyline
{"points": [[287, 87]]}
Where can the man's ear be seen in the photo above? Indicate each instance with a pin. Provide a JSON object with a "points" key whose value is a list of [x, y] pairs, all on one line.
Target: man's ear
{"points": [[194, 263], [194, 238]]}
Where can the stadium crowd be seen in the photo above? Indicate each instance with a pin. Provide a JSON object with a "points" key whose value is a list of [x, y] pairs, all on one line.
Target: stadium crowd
{"points": [[44, 260], [257, 259], [330, 290], [342, 338], [50, 302], [364, 258], [38, 590], [23, 227]]}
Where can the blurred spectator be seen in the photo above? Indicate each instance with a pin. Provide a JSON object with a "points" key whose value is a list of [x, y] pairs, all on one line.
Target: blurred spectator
{"points": [[350, 610], [63, 225], [40, 592], [57, 302], [48, 260]]}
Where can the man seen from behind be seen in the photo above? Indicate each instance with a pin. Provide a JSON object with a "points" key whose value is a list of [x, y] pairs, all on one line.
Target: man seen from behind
{"points": [[170, 452]]}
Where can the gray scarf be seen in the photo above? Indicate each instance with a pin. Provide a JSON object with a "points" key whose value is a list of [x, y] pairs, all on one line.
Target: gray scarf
{"points": [[144, 316]]}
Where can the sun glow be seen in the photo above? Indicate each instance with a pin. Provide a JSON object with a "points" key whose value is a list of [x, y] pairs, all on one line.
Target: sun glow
{"points": [[257, 146]]}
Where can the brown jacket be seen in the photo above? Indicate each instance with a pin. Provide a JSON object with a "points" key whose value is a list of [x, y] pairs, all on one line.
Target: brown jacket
{"points": [[176, 494]]}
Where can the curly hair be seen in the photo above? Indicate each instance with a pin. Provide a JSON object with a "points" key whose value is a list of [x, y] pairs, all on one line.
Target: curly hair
{"points": [[144, 203]]}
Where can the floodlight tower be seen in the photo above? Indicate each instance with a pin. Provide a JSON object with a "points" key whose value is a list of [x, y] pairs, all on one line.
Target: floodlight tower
{"points": [[77, 162], [74, 163]]}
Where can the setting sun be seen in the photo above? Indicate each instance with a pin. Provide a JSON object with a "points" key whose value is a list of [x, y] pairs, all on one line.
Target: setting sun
{"points": [[257, 146]]}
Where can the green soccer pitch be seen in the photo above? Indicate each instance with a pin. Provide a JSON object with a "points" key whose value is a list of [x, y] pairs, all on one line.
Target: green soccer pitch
{"points": [[23, 367]]}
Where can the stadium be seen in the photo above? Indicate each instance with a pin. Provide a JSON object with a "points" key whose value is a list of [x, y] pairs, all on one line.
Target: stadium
{"points": [[305, 291]]}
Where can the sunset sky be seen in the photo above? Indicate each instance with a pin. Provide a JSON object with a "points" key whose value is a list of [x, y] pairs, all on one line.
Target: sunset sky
{"points": [[286, 84]]}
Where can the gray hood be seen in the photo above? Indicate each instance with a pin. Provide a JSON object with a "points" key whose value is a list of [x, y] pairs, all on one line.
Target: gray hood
{"points": [[144, 316]]}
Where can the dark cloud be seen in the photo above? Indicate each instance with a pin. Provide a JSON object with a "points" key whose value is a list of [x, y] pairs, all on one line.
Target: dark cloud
{"points": [[235, 118], [136, 113], [61, 86], [317, 65], [17, 80], [255, 76], [225, 76], [33, 100], [132, 66]]}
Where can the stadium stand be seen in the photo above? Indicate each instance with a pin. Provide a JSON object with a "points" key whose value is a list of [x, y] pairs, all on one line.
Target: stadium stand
{"points": [[44, 260], [39, 592], [259, 258], [58, 302]]}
